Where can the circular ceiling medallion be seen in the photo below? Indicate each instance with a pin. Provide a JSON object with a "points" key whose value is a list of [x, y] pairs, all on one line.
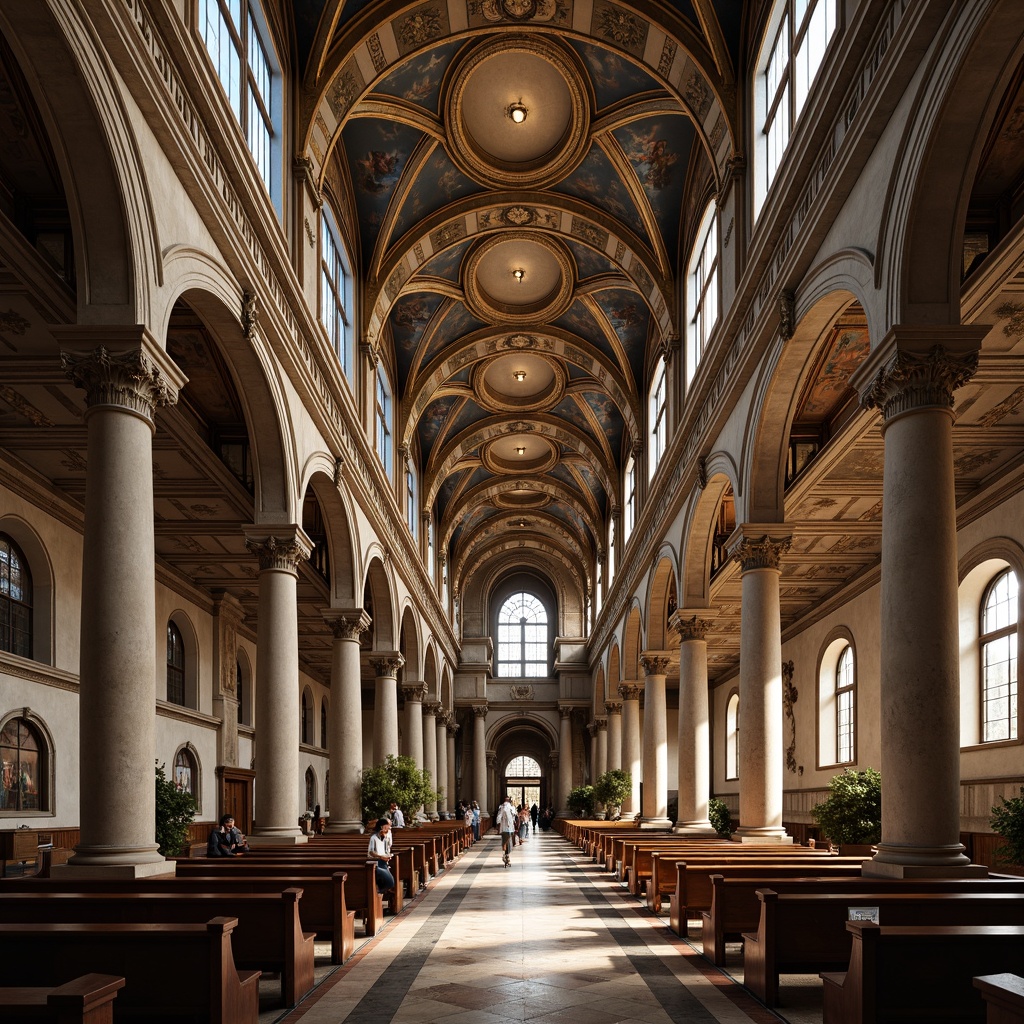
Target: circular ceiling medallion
{"points": [[517, 113], [518, 277], [521, 498], [518, 453], [518, 382]]}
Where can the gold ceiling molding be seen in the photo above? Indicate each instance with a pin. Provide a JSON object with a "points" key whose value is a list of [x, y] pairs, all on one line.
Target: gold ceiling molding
{"points": [[550, 167], [498, 461], [491, 310], [514, 502], [495, 400]]}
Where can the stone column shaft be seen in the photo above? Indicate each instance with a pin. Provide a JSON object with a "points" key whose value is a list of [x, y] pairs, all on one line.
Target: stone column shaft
{"points": [[430, 711], [655, 751], [442, 760], [414, 696], [385, 707], [564, 758], [614, 709], [346, 721], [630, 693], [602, 746], [479, 756], [450, 729]]}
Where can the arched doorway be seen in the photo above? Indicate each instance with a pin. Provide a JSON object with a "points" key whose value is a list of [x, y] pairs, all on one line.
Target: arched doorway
{"points": [[524, 782]]}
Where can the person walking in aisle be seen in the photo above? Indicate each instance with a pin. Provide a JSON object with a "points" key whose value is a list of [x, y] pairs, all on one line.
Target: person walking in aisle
{"points": [[506, 821]]}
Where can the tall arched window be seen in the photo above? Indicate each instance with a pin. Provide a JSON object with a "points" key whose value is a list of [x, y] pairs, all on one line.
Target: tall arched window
{"points": [[657, 418], [522, 637], [844, 706], [238, 42], [24, 768], [732, 737], [336, 291], [311, 800], [792, 52], [629, 512], [15, 600], [702, 291], [186, 773], [175, 665], [382, 418], [999, 659], [307, 717]]}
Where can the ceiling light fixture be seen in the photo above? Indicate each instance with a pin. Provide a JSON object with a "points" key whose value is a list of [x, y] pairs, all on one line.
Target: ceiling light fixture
{"points": [[516, 111], [519, 375], [519, 274], [520, 451]]}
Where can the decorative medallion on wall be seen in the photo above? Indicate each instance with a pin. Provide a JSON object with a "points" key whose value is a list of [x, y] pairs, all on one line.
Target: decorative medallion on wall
{"points": [[521, 692]]}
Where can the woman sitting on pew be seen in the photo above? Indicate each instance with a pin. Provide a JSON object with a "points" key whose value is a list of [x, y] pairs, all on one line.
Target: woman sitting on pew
{"points": [[380, 851], [220, 843]]}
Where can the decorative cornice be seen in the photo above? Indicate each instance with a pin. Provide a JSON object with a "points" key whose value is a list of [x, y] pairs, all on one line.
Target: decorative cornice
{"points": [[613, 707], [415, 693], [765, 553], [282, 554], [913, 380], [629, 691], [654, 664], [387, 665], [127, 380]]}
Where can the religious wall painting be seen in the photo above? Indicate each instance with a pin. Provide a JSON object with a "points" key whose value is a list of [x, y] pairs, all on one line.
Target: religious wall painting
{"points": [[447, 490], [448, 263], [555, 13], [588, 262], [432, 422], [456, 323], [608, 415], [469, 414], [614, 77], [460, 377], [596, 182], [579, 320], [847, 349], [437, 184], [418, 79], [591, 483], [630, 319], [409, 318], [569, 410]]}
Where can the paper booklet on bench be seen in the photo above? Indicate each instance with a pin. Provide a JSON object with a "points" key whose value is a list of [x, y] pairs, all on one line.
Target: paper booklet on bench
{"points": [[863, 914]]}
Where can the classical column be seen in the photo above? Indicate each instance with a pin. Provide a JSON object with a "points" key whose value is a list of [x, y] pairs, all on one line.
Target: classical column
{"points": [[564, 757], [442, 760], [614, 709], [430, 710], [601, 725], [451, 730], [385, 705], [760, 740], [118, 653], [479, 756], [277, 684], [655, 755], [346, 719], [911, 379], [630, 694], [493, 789], [592, 733], [414, 694], [694, 744]]}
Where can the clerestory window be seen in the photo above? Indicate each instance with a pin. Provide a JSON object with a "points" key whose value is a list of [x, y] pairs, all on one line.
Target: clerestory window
{"points": [[999, 659], [523, 637]]}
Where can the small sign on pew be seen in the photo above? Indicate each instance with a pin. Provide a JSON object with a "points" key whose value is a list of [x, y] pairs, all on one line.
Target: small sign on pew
{"points": [[863, 914]]}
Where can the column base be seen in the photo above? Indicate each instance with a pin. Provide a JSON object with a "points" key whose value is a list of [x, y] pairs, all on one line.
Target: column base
{"points": [[894, 861], [658, 823], [108, 862], [764, 834], [286, 837], [335, 828], [695, 829]]}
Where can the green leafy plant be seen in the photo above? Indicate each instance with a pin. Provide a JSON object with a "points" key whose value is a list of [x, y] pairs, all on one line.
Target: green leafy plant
{"points": [[852, 813], [175, 810], [613, 787], [1008, 823], [397, 780], [718, 815], [580, 801]]}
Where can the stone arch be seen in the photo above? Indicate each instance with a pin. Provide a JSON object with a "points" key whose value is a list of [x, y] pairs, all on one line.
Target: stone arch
{"points": [[409, 645], [382, 592], [342, 536], [44, 592], [921, 227], [599, 695], [659, 600], [632, 643], [430, 673], [698, 537], [529, 721], [447, 696]]}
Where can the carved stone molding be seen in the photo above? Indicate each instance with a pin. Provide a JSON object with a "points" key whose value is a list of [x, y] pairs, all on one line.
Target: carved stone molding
{"points": [[250, 315], [613, 707], [415, 693], [480, 710], [654, 665], [910, 380], [787, 314], [387, 665], [565, 712], [452, 726], [347, 625], [521, 692], [282, 554], [629, 691], [600, 723], [432, 708], [128, 380], [765, 553]]}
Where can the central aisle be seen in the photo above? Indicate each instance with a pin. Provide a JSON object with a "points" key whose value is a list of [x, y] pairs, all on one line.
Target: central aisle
{"points": [[548, 939]]}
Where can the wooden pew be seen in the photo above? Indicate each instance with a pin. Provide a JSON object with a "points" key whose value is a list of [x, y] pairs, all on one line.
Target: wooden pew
{"points": [[182, 973], [323, 908], [268, 936], [86, 1000], [801, 933], [1004, 997], [918, 973]]}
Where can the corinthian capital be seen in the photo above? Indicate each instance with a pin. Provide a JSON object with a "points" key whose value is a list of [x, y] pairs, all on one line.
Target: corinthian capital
{"points": [[916, 380], [347, 625], [387, 665], [654, 664], [432, 708], [613, 707], [765, 553], [691, 629], [480, 710], [629, 691], [131, 381], [415, 693], [282, 552]]}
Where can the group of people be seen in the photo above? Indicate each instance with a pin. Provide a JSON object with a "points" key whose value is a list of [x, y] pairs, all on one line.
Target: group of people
{"points": [[469, 812], [514, 824], [226, 840]]}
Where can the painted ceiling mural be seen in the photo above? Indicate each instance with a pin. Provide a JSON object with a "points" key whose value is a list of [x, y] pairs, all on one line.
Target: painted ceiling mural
{"points": [[518, 170]]}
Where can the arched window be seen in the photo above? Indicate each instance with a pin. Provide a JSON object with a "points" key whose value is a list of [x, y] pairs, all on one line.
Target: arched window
{"points": [[15, 600], [323, 723], [411, 517], [522, 637], [702, 291], [307, 717], [175, 665], [657, 418], [238, 43], [311, 800], [792, 52], [732, 737], [25, 765], [383, 419], [336, 291], [611, 548], [522, 768], [186, 773], [630, 510], [844, 706], [999, 659]]}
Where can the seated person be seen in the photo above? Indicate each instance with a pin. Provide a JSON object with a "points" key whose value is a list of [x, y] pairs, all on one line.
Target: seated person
{"points": [[219, 843], [238, 842], [379, 850]]}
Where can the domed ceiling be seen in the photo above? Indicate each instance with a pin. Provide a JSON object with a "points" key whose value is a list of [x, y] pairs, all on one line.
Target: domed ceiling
{"points": [[516, 173]]}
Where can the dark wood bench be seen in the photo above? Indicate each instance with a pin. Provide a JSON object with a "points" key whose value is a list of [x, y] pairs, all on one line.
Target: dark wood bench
{"points": [[1004, 997], [805, 933], [323, 908], [901, 973], [182, 973], [268, 937], [86, 1000]]}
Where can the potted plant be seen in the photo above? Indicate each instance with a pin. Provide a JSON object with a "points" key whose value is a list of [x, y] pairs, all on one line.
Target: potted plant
{"points": [[611, 789], [851, 816], [720, 818], [580, 801], [175, 810], [1008, 823], [397, 780]]}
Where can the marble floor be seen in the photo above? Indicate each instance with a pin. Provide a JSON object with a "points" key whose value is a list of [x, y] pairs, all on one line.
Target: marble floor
{"points": [[550, 939]]}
